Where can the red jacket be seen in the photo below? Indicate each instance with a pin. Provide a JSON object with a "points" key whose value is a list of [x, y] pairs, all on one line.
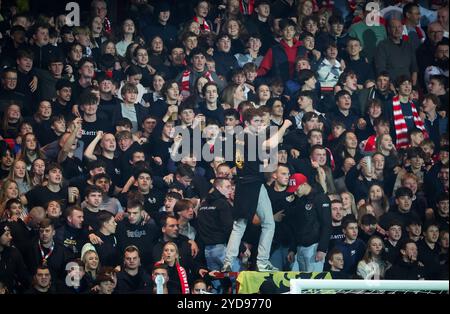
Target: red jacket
{"points": [[291, 52]]}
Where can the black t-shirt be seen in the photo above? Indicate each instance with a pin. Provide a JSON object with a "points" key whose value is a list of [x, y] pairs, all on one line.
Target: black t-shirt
{"points": [[41, 195], [112, 168], [108, 252], [216, 114], [90, 130], [106, 107], [65, 110], [251, 165], [156, 147], [280, 201], [158, 108], [72, 167], [91, 219]]}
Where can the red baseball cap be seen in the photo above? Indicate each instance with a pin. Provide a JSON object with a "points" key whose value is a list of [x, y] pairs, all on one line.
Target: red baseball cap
{"points": [[295, 181]]}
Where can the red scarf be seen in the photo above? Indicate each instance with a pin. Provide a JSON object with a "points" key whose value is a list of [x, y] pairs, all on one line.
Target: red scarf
{"points": [[247, 7], [107, 26], [401, 129], [183, 279], [203, 26], [405, 33], [332, 163], [182, 276], [186, 77]]}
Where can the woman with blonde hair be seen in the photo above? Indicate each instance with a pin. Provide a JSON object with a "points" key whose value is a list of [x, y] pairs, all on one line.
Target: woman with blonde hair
{"points": [[91, 262], [349, 204], [373, 265], [385, 146], [178, 278], [324, 15], [19, 173], [232, 96], [304, 8], [9, 190]]}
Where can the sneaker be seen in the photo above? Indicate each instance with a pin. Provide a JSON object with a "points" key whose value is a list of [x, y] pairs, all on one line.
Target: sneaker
{"points": [[226, 268], [266, 267]]}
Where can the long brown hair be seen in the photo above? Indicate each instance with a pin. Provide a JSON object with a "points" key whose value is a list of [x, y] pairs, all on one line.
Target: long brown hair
{"points": [[368, 255]]}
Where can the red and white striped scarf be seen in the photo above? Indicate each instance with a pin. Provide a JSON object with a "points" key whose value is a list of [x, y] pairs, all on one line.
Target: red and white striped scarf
{"points": [[405, 33], [247, 7], [182, 277], [203, 26], [401, 129], [186, 77], [107, 26]]}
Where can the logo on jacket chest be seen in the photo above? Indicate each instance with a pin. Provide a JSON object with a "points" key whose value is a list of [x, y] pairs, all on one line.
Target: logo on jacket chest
{"points": [[309, 206], [290, 198]]}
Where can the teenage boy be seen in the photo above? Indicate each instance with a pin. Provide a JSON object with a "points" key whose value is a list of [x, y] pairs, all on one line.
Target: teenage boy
{"points": [[352, 248]]}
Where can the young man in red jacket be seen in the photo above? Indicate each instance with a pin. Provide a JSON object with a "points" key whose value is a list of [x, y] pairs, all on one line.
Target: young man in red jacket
{"points": [[279, 60]]}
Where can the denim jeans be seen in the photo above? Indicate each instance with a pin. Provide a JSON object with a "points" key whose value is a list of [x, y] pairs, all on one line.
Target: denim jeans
{"points": [[306, 257], [214, 255], [264, 212], [279, 259]]}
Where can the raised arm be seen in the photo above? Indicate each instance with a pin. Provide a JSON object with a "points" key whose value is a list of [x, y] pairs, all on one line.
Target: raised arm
{"points": [[276, 138], [89, 152]]}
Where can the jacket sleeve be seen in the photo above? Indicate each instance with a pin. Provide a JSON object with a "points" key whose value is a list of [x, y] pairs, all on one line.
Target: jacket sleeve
{"points": [[351, 179], [325, 223], [380, 59], [226, 218], [21, 272], [291, 222], [117, 114], [266, 63]]}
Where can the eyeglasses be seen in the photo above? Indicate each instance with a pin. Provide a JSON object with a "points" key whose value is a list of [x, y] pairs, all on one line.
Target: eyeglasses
{"points": [[436, 32]]}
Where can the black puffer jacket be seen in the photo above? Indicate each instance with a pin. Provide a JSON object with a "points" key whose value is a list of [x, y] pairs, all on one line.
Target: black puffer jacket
{"points": [[311, 221], [215, 219]]}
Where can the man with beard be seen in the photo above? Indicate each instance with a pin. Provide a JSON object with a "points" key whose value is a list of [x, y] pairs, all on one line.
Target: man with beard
{"points": [[425, 52], [46, 251], [439, 63]]}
